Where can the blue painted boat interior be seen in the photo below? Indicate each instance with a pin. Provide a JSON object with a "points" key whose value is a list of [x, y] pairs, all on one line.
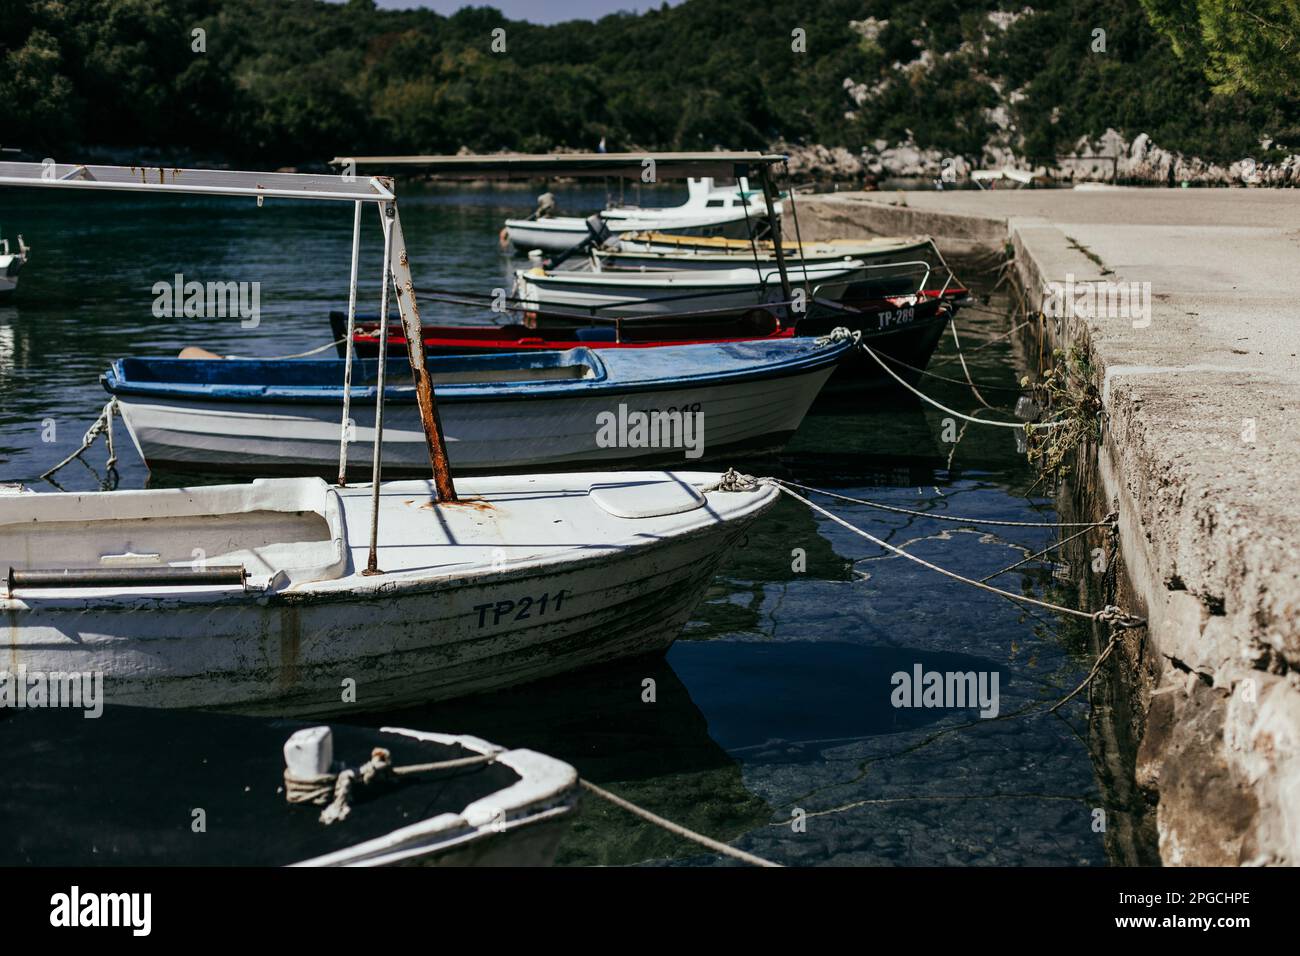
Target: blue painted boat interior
{"points": [[464, 377]]}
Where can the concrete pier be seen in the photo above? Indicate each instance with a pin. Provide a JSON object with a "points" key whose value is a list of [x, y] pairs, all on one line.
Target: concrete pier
{"points": [[1201, 452]]}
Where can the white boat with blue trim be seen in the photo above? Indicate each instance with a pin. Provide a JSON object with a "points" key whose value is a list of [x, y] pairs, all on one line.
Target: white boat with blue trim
{"points": [[673, 405]]}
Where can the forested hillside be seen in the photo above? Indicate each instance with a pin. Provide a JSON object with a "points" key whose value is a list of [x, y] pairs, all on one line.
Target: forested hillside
{"points": [[270, 82]]}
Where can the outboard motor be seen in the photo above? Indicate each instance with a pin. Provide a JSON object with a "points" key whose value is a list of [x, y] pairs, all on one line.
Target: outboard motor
{"points": [[597, 234]]}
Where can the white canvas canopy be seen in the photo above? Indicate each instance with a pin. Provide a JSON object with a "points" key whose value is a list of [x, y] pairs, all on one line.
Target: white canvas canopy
{"points": [[218, 182]]}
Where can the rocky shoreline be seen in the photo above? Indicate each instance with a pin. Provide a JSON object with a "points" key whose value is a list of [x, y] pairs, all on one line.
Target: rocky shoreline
{"points": [[1112, 157]]}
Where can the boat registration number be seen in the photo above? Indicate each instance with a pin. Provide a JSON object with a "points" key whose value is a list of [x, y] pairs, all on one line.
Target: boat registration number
{"points": [[897, 317], [519, 609]]}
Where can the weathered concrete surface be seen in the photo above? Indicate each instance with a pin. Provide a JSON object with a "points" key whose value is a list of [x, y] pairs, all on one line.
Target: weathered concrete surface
{"points": [[1202, 440]]}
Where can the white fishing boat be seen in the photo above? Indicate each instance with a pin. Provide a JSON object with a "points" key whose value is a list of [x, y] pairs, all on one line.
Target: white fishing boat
{"points": [[11, 263], [628, 293], [709, 210], [257, 598], [291, 596], [521, 411], [83, 792], [660, 251]]}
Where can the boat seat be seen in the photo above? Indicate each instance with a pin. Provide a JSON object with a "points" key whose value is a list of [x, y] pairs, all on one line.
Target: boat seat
{"points": [[282, 531], [646, 499], [597, 334]]}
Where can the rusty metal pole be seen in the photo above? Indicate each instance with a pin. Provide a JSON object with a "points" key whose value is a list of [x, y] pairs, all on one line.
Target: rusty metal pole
{"points": [[764, 177], [410, 312]]}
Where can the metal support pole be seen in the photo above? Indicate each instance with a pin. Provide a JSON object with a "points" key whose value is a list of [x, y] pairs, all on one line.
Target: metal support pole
{"points": [[765, 179], [387, 213], [404, 289], [347, 364]]}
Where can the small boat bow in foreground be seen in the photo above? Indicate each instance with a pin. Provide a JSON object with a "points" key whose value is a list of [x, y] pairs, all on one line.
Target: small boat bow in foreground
{"points": [[122, 789]]}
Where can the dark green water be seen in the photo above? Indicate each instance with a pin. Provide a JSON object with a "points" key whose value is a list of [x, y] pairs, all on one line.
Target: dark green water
{"points": [[776, 701]]}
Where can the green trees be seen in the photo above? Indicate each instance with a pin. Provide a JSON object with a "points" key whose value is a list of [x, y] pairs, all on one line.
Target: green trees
{"points": [[290, 81], [1241, 45]]}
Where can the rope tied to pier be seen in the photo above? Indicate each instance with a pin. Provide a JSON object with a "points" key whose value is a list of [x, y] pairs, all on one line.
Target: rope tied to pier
{"points": [[1108, 614], [676, 828], [1108, 521], [1027, 426], [336, 789], [103, 425]]}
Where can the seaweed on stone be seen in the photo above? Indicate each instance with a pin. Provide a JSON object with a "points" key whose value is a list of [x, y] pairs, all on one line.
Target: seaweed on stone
{"points": [[1069, 393]]}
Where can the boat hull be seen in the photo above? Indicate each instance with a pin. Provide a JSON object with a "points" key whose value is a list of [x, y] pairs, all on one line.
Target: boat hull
{"points": [[422, 634], [563, 233], [482, 437], [632, 294]]}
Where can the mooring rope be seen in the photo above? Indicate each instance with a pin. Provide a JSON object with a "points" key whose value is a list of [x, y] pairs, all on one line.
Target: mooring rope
{"points": [[335, 789], [1108, 521], [952, 324], [953, 381], [1110, 613], [944, 408], [678, 829], [334, 792], [102, 425], [276, 358], [1037, 554]]}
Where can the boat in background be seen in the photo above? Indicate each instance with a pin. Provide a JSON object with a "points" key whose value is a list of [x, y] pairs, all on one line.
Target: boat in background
{"points": [[758, 323], [708, 211], [511, 412], [904, 328], [654, 250], [11, 263], [909, 257], [642, 293], [83, 792]]}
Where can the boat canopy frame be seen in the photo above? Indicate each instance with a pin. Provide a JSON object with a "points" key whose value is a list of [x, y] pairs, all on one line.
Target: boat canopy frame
{"points": [[718, 164], [337, 187]]}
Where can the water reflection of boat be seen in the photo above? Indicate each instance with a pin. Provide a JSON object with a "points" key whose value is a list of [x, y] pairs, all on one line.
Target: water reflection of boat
{"points": [[659, 755], [140, 786], [749, 691], [11, 263]]}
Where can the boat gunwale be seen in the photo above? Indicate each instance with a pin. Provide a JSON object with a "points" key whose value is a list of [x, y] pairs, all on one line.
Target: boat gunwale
{"points": [[809, 358], [355, 586]]}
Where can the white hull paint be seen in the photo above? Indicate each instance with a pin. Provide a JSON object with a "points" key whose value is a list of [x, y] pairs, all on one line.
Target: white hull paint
{"points": [[561, 233], [526, 578], [487, 436], [633, 293], [708, 212], [521, 825], [10, 266]]}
